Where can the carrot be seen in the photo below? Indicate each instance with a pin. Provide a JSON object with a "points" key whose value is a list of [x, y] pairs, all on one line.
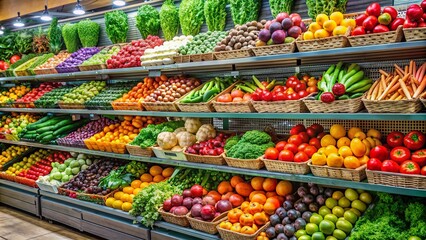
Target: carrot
{"points": [[414, 68], [399, 72], [410, 90], [399, 97], [383, 72], [413, 85], [375, 91], [423, 95], [386, 90], [394, 96], [421, 87], [422, 73], [407, 70], [398, 68], [372, 88], [379, 92], [404, 88], [395, 87]]}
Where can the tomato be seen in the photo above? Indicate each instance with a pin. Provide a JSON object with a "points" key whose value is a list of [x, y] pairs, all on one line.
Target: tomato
{"points": [[374, 164], [300, 87], [2, 65], [369, 23], [246, 219], [312, 89], [304, 136], [379, 152], [6, 66], [390, 166], [400, 154], [286, 155], [423, 171], [302, 147], [225, 98], [297, 129], [396, 23], [292, 82], [395, 139], [310, 150], [419, 157], [237, 93], [279, 96], [280, 145], [295, 139], [373, 9], [360, 19], [247, 97], [266, 96], [234, 215], [14, 59], [271, 153], [410, 167], [254, 207], [315, 142], [391, 11], [291, 146], [278, 88], [414, 140], [301, 157], [256, 96]]}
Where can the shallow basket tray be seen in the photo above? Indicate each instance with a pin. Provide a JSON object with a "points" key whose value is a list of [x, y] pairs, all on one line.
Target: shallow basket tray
{"points": [[161, 106], [92, 67], [45, 71], [201, 57], [275, 49], [232, 106], [23, 105], [138, 151], [415, 34], [171, 218], [355, 175], [338, 106], [286, 167], [393, 106], [94, 198], [323, 43], [215, 160], [287, 106], [126, 105], [204, 226], [423, 100], [377, 38], [233, 54], [63, 105], [244, 163], [231, 235], [396, 179]]}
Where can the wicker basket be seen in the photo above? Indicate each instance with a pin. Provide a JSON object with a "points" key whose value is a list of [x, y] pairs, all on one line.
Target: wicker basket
{"points": [[208, 227], [22, 73], [355, 175], [171, 218], [127, 105], [233, 54], [215, 160], [232, 106], [338, 106], [396, 179], [288, 106], [244, 163], [377, 38], [275, 49], [94, 198], [24, 105], [286, 167], [45, 71], [231, 235], [177, 59], [92, 67], [138, 151], [415, 34], [63, 105], [423, 100], [161, 106], [323, 43], [393, 106], [201, 57]]}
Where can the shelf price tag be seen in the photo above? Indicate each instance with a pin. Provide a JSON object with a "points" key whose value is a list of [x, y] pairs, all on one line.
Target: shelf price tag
{"points": [[76, 117], [232, 74], [154, 73]]}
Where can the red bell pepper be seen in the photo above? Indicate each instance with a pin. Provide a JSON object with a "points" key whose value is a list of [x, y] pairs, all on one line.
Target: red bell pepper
{"points": [[374, 164], [419, 157], [390, 166], [400, 154], [374, 9], [379, 152], [423, 171], [395, 139], [410, 167], [414, 140], [391, 11]]}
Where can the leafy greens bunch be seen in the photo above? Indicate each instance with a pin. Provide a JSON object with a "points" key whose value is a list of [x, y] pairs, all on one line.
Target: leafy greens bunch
{"points": [[191, 16], [54, 35], [148, 21], [215, 13], [169, 19], [70, 35], [88, 32], [327, 7], [116, 26], [244, 11], [279, 6], [23, 41]]}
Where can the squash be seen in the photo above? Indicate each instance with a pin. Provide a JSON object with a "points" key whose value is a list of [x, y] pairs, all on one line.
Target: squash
{"points": [[205, 132], [186, 139], [167, 140], [192, 125]]}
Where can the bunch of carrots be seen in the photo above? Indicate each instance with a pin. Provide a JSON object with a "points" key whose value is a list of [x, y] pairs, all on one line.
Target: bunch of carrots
{"points": [[408, 83]]}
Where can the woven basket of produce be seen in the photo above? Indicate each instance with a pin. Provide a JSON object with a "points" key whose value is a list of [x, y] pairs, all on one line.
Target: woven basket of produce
{"points": [[63, 105], [232, 54], [415, 34], [286, 167], [204, 226], [245, 106], [323, 43], [161, 106], [244, 163], [175, 219], [232, 235], [355, 175], [45, 71], [397, 179], [287, 106], [393, 106], [138, 151], [275, 49], [127, 105], [215, 160], [423, 100], [201, 57], [92, 67], [338, 106], [377, 38]]}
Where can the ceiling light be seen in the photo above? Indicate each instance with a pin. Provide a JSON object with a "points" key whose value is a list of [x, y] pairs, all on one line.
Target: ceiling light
{"points": [[46, 16], [18, 22], [119, 3], [1, 30], [78, 10]]}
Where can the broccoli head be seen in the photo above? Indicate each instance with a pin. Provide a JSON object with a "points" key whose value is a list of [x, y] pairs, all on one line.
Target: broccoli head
{"points": [[256, 137], [245, 150], [230, 142]]}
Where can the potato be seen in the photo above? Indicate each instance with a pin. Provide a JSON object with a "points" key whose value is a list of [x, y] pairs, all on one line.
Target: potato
{"points": [[250, 29], [228, 48]]}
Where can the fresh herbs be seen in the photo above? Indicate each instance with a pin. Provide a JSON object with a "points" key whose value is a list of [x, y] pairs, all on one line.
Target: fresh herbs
{"points": [[88, 32], [54, 35], [169, 19], [279, 6], [327, 7], [215, 13], [7, 46], [70, 35], [116, 26], [148, 21], [191, 16], [23, 41], [244, 11]]}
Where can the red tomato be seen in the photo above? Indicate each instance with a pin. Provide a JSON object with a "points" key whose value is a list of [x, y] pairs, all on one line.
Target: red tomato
{"points": [[271, 153], [379, 152], [302, 147], [414, 140], [301, 157], [303, 93], [310, 150], [295, 139], [225, 98], [14, 59], [237, 93], [315, 142], [374, 164], [419, 157], [300, 87], [423, 171], [410, 167], [291, 146], [390, 166], [280, 145], [286, 155], [304, 136], [400, 154], [247, 97], [395, 139]]}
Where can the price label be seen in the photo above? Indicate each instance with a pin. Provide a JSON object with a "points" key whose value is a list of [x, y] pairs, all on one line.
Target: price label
{"points": [[232, 74], [154, 73]]}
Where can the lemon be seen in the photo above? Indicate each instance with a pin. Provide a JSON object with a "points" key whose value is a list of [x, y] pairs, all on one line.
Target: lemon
{"points": [[322, 33], [339, 31], [308, 35], [126, 206], [109, 201], [313, 27], [117, 204], [321, 18], [125, 197], [337, 17], [329, 25], [118, 195], [330, 149], [348, 23]]}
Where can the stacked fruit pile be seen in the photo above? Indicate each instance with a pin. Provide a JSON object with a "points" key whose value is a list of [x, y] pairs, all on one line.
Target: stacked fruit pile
{"points": [[11, 153], [44, 166], [142, 90], [326, 26], [13, 94], [15, 123], [27, 162], [284, 28], [51, 99], [83, 93], [37, 93]]}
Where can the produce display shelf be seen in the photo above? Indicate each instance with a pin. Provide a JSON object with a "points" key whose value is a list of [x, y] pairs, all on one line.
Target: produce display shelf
{"points": [[263, 173], [307, 116], [19, 186], [190, 233], [373, 52]]}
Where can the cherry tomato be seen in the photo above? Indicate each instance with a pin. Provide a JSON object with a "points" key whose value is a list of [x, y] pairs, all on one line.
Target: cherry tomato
{"points": [[300, 87], [286, 155], [280, 145], [271, 153], [310, 150], [302, 93]]}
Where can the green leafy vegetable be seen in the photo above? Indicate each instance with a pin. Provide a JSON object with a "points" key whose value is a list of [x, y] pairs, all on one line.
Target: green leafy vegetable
{"points": [[327, 7], [244, 11], [148, 136], [169, 19], [23, 41], [312, 11], [7, 46], [251, 145], [191, 16], [88, 32], [215, 13], [40, 41], [24, 59], [54, 35], [116, 26], [70, 35], [341, 6], [279, 6], [148, 21]]}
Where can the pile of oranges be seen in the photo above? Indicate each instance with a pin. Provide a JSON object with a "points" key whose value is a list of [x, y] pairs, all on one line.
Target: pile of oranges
{"points": [[326, 26], [123, 200], [13, 93], [142, 89]]}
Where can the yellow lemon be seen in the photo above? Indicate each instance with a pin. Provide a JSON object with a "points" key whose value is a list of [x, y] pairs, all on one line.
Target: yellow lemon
{"points": [[125, 197], [313, 27], [109, 201], [337, 17], [322, 33], [328, 140], [337, 131], [136, 191], [118, 195], [308, 35], [126, 206], [348, 23], [339, 31], [117, 204], [345, 151], [330, 149], [329, 25], [321, 18]]}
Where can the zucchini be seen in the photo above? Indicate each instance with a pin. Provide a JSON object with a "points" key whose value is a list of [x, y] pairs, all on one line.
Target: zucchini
{"points": [[63, 123], [40, 136], [69, 128], [45, 129]]}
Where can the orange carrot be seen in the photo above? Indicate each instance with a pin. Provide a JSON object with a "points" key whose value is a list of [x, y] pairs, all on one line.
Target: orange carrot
{"points": [[421, 87], [383, 72], [385, 92], [404, 88], [394, 96]]}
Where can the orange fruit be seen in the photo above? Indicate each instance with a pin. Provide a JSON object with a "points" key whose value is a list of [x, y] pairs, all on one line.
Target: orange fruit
{"points": [[259, 198], [313, 27], [155, 170], [117, 204], [136, 183], [235, 180], [328, 140], [344, 141], [128, 190], [321, 18], [256, 192], [352, 131], [136, 191], [146, 177], [363, 160], [337, 17], [126, 206], [167, 172], [224, 187], [257, 183], [125, 197], [284, 188], [118, 195], [337, 131], [244, 189], [158, 178], [308, 35], [351, 162], [269, 184], [145, 184], [345, 151]]}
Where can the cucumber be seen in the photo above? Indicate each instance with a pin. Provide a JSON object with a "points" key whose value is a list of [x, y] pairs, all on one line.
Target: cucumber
{"points": [[29, 136], [46, 138], [63, 123], [51, 122], [33, 126], [40, 136], [45, 129], [70, 128]]}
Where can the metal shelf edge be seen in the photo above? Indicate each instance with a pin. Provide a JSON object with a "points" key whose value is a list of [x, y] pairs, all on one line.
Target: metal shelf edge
{"points": [[185, 230], [19, 186]]}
